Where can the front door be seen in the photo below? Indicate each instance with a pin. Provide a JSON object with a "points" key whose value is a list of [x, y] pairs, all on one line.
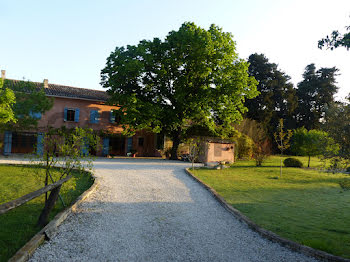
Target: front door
{"points": [[23, 143], [117, 146]]}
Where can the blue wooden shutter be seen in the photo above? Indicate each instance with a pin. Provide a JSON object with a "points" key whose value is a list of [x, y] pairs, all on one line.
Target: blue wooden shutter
{"points": [[97, 116], [105, 149], [65, 113], [76, 115], [7, 143], [92, 116], [35, 115], [129, 144], [40, 144], [111, 117]]}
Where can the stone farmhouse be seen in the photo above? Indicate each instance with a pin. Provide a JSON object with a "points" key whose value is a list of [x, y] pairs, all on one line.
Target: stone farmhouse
{"points": [[79, 107]]}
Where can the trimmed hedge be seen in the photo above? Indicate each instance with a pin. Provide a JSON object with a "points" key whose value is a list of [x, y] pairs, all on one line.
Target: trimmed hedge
{"points": [[292, 162]]}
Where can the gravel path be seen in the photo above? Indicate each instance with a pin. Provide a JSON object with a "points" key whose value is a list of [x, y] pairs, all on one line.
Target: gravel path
{"points": [[150, 210]]}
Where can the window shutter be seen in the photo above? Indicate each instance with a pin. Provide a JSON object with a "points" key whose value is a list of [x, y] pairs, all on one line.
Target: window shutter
{"points": [[92, 116], [111, 117], [65, 113], [105, 149], [35, 115], [129, 144], [40, 144], [7, 143], [97, 116], [76, 115]]}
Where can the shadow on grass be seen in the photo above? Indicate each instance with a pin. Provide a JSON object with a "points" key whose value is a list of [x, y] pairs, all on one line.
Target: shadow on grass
{"points": [[19, 225]]}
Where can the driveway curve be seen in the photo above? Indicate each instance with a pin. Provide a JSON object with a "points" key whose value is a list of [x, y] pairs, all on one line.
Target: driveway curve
{"points": [[151, 210]]}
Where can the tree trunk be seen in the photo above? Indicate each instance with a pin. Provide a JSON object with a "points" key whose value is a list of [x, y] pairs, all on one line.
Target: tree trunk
{"points": [[308, 163], [50, 203], [176, 142]]}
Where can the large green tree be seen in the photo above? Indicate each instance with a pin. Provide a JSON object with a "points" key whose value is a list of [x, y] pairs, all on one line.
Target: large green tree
{"points": [[335, 40], [192, 77], [277, 97], [315, 93], [7, 99]]}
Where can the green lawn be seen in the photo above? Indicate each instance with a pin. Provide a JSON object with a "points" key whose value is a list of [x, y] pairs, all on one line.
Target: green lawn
{"points": [[19, 225], [304, 205]]}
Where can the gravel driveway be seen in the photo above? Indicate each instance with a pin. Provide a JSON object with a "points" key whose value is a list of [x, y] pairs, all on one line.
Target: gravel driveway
{"points": [[150, 210]]}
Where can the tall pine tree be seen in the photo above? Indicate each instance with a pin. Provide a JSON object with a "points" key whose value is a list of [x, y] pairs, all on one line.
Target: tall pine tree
{"points": [[315, 93], [277, 97]]}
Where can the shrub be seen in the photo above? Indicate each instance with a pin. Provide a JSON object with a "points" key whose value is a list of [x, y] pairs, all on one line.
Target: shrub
{"points": [[292, 162], [244, 148], [347, 170], [345, 184]]}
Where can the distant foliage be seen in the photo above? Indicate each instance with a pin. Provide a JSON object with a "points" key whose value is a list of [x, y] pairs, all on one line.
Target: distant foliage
{"points": [[292, 162]]}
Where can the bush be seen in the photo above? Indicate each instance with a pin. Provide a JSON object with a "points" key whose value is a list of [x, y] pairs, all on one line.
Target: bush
{"points": [[345, 184], [292, 162], [244, 146], [347, 170]]}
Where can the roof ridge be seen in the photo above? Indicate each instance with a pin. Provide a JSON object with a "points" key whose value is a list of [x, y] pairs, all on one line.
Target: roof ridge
{"points": [[56, 85], [58, 90]]}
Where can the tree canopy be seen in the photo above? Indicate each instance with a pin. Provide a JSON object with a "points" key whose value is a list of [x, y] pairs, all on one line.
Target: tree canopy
{"points": [[277, 97], [336, 40], [312, 143], [337, 124], [193, 77], [315, 93]]}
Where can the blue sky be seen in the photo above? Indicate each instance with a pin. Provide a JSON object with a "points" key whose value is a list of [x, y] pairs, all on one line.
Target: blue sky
{"points": [[68, 42]]}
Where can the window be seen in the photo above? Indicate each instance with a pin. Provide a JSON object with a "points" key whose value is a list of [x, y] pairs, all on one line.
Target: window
{"points": [[111, 116], [70, 115], [217, 149], [35, 115], [114, 116], [141, 140], [94, 116]]}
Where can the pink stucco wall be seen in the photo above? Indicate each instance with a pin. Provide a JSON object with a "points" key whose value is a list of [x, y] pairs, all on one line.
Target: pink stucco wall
{"points": [[216, 152]]}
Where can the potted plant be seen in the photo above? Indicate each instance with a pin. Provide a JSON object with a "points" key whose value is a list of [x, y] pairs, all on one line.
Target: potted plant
{"points": [[133, 152]]}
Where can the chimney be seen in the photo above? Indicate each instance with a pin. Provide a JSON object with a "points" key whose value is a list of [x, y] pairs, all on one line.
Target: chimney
{"points": [[3, 74], [46, 83]]}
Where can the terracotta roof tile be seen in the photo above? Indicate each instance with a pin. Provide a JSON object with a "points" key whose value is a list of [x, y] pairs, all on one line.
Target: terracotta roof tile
{"points": [[67, 91]]}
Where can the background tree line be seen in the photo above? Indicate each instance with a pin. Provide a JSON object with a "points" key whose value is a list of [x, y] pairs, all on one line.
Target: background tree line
{"points": [[321, 123]]}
